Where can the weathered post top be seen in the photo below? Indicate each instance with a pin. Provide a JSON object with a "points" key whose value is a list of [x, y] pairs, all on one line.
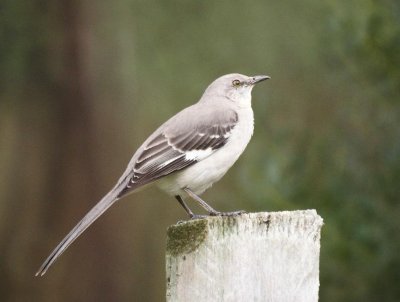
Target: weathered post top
{"points": [[252, 257]]}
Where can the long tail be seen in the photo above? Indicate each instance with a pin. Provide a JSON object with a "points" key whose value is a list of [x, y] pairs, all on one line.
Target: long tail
{"points": [[86, 221]]}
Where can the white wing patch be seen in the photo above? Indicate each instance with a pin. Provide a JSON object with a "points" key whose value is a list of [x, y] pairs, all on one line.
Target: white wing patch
{"points": [[198, 154], [166, 163]]}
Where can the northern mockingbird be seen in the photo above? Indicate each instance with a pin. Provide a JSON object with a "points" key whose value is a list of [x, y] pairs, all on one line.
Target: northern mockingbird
{"points": [[187, 154]]}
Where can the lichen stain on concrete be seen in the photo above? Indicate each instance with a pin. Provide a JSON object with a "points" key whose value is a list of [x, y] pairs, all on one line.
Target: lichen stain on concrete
{"points": [[186, 237]]}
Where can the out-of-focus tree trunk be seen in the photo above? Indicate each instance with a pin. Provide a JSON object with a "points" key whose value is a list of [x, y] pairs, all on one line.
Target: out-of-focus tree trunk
{"points": [[52, 155], [73, 158]]}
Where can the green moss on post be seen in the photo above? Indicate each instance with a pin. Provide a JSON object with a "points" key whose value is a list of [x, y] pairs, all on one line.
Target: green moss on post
{"points": [[185, 237]]}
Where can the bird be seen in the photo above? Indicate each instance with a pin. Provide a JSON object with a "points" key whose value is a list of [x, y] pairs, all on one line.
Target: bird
{"points": [[185, 155]]}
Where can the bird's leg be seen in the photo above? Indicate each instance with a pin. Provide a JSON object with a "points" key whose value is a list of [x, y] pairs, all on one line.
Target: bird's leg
{"points": [[187, 209], [208, 208], [184, 205]]}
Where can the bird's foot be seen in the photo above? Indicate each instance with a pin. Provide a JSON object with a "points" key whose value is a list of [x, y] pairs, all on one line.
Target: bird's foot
{"points": [[214, 213], [198, 217], [235, 213], [193, 217]]}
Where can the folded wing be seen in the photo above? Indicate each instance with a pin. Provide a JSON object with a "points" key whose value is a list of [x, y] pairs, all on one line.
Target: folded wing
{"points": [[179, 144]]}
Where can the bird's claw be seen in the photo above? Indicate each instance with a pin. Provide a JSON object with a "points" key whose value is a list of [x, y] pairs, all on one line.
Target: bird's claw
{"points": [[229, 214], [198, 217], [216, 213]]}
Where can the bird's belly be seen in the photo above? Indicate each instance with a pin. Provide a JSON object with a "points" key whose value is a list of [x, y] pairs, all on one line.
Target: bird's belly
{"points": [[201, 175]]}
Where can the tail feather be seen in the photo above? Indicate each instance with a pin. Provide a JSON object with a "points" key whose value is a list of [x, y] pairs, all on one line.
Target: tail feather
{"points": [[105, 203]]}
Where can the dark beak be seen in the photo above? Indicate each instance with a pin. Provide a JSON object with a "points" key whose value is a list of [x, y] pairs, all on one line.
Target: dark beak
{"points": [[258, 78]]}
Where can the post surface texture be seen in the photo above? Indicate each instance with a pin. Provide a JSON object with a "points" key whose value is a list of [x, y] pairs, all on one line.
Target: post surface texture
{"points": [[252, 257]]}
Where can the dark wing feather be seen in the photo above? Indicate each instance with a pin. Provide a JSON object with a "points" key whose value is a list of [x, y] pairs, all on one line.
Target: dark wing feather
{"points": [[165, 153]]}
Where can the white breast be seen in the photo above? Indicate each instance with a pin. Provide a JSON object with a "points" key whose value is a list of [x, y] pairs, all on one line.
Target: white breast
{"points": [[200, 176]]}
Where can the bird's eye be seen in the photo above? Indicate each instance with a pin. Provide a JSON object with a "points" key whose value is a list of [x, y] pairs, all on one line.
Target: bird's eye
{"points": [[235, 83]]}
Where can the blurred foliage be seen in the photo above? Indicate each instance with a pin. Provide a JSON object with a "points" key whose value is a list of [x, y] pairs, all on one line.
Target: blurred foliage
{"points": [[83, 83]]}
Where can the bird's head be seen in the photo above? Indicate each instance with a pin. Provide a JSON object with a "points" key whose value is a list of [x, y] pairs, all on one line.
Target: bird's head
{"points": [[234, 87]]}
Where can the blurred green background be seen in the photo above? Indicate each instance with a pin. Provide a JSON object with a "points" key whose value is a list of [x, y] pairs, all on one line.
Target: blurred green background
{"points": [[83, 83]]}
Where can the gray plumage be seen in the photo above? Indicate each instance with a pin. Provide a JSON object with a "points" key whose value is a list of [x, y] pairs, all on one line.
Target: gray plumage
{"points": [[187, 154]]}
